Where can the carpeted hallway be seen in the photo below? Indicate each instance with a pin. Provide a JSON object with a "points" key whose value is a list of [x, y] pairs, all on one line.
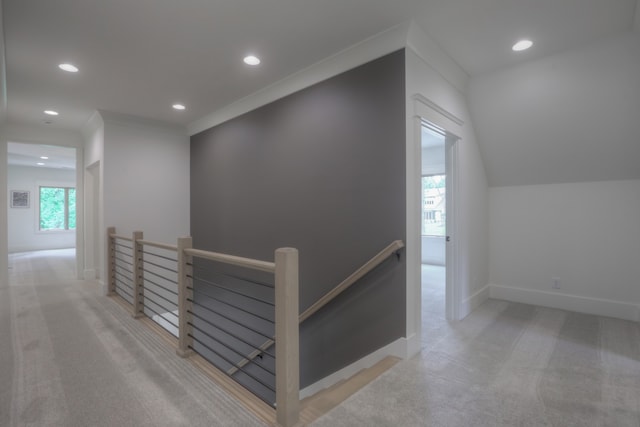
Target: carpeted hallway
{"points": [[510, 364], [70, 357]]}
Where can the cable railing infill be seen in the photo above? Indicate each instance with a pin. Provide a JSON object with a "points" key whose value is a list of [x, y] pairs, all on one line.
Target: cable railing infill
{"points": [[143, 298]]}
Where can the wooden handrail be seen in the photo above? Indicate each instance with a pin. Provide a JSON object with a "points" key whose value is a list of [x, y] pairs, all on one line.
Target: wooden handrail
{"points": [[345, 284], [285, 269], [354, 277], [269, 267], [158, 245]]}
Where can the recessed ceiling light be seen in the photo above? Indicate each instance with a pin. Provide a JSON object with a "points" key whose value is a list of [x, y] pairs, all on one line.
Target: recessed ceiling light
{"points": [[68, 67], [251, 60], [44, 157], [179, 106], [522, 45], [51, 112], [40, 164]]}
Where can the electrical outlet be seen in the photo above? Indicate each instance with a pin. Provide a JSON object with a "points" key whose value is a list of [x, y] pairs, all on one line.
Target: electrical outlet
{"points": [[556, 282]]}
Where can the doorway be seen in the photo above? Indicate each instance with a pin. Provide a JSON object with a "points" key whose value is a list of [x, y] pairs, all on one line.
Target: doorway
{"points": [[439, 296], [433, 222], [41, 182]]}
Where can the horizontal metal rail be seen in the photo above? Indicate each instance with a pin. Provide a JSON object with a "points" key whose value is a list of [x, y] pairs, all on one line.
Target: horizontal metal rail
{"points": [[157, 255], [240, 294], [247, 327], [159, 266], [147, 281], [235, 318]]}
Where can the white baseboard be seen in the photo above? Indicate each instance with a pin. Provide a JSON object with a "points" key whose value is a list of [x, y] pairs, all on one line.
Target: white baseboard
{"points": [[471, 303], [597, 306], [413, 346], [105, 287], [398, 348]]}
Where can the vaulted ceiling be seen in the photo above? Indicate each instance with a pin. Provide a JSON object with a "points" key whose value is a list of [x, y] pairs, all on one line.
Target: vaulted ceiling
{"points": [[554, 113]]}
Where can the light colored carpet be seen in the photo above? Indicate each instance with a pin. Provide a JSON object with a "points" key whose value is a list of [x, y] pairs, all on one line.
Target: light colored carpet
{"points": [[71, 357], [509, 365]]}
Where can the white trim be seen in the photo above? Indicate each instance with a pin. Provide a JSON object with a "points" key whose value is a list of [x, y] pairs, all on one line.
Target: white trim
{"points": [[413, 250], [93, 123], [596, 306], [365, 51], [89, 274], [435, 114], [36, 205], [471, 303], [422, 102], [429, 51], [396, 348], [452, 220]]}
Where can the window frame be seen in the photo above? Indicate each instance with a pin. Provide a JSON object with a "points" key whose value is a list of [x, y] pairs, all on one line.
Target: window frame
{"points": [[66, 186], [422, 212]]}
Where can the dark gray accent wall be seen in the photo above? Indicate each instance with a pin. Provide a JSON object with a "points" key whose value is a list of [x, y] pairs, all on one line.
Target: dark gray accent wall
{"points": [[321, 170]]}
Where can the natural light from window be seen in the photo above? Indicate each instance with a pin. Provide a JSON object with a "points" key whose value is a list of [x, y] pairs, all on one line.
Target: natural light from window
{"points": [[433, 205], [57, 208]]}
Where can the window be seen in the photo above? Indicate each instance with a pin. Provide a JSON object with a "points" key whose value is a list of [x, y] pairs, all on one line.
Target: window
{"points": [[434, 205], [57, 208]]}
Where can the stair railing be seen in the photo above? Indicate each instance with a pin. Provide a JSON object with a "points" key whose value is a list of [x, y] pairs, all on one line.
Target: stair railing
{"points": [[126, 279]]}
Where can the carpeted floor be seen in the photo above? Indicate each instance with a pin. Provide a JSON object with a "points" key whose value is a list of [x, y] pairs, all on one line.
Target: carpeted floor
{"points": [[70, 357], [510, 364]]}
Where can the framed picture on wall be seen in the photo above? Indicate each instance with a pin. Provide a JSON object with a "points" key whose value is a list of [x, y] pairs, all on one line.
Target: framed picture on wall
{"points": [[19, 199]]}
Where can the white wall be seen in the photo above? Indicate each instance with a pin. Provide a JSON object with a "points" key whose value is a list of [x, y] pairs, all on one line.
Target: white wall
{"points": [[586, 234], [142, 171], [146, 179], [4, 242], [94, 230], [568, 117], [4, 267], [3, 85], [434, 250], [471, 234], [24, 234]]}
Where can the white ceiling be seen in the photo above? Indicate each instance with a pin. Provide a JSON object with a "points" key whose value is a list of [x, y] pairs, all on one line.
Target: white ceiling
{"points": [[31, 154], [568, 117], [138, 57]]}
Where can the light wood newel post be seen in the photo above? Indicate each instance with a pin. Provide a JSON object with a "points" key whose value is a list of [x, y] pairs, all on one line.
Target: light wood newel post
{"points": [[111, 261], [287, 340], [138, 278], [185, 294]]}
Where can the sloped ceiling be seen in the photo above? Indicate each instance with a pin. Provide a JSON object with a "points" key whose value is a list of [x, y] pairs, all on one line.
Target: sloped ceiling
{"points": [[138, 57], [573, 116]]}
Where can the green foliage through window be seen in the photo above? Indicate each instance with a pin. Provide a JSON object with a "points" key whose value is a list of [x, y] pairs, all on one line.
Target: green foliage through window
{"points": [[57, 208]]}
